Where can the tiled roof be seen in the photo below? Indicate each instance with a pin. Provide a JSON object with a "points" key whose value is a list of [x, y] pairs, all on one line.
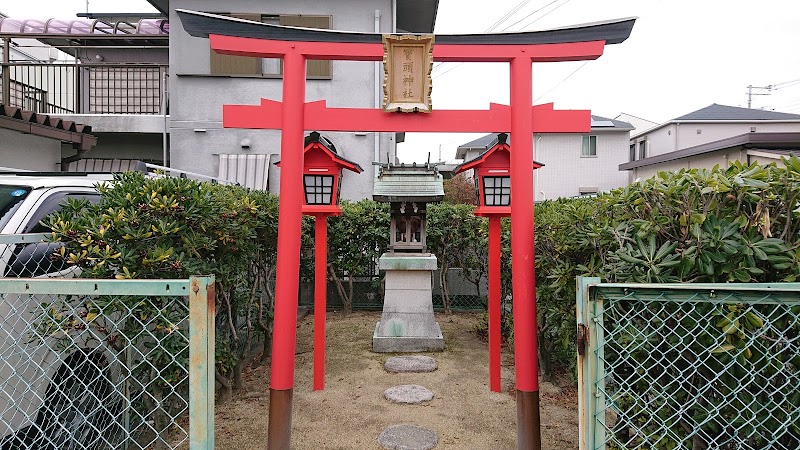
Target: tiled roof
{"points": [[723, 112], [13, 118]]}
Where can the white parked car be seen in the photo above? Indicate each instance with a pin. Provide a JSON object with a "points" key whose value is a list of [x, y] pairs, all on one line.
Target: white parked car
{"points": [[55, 396], [48, 397], [25, 199]]}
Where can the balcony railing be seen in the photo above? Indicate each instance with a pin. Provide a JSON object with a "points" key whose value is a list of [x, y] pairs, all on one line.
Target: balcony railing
{"points": [[84, 88]]}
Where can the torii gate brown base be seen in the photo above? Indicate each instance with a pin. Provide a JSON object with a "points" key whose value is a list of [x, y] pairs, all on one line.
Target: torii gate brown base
{"points": [[293, 116]]}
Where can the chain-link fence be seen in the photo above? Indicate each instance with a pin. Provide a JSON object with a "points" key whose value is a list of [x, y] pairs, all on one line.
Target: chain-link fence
{"points": [[689, 366], [97, 364], [28, 256], [464, 293]]}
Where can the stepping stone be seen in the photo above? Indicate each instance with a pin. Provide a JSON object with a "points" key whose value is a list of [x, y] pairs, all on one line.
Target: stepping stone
{"points": [[408, 437], [415, 364], [408, 393]]}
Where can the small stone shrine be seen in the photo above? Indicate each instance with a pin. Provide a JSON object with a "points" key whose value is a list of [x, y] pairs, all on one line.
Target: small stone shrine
{"points": [[407, 323]]}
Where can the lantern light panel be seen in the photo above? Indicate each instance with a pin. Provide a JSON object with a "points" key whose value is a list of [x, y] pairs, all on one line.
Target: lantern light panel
{"points": [[318, 189]]}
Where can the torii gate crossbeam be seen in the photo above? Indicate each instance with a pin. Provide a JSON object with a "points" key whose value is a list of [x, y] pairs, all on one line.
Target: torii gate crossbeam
{"points": [[293, 116]]}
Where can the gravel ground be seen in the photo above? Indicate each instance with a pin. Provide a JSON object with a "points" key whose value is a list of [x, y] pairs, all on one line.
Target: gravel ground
{"points": [[351, 412]]}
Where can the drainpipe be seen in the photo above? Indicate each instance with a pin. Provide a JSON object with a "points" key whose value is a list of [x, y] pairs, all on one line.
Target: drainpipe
{"points": [[392, 142], [378, 85], [164, 94], [6, 72], [394, 15]]}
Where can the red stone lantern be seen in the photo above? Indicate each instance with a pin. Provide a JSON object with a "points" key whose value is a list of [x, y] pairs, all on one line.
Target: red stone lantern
{"points": [[322, 182], [492, 174]]}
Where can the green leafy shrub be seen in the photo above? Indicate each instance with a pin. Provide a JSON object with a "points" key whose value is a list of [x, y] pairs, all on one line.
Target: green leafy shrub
{"points": [[356, 240], [740, 224], [170, 227], [459, 240]]}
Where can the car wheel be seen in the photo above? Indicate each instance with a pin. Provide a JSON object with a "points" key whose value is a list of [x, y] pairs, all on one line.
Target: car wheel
{"points": [[81, 409]]}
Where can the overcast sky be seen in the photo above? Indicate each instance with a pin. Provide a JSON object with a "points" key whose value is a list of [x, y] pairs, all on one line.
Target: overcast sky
{"points": [[682, 55]]}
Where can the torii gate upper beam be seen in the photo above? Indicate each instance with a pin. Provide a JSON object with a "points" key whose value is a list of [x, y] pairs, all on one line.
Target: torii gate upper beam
{"points": [[260, 48]]}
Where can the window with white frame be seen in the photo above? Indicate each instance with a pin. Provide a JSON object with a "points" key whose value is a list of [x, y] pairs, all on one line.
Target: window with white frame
{"points": [[643, 150], [589, 146], [632, 156]]}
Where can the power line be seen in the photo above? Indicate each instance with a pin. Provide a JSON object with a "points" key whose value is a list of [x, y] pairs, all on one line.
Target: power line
{"points": [[785, 84], [562, 81], [545, 14], [520, 20], [506, 28], [785, 106], [750, 93], [769, 89], [508, 15], [499, 21]]}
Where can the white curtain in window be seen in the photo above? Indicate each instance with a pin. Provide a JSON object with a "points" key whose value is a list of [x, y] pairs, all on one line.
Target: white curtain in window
{"points": [[250, 170]]}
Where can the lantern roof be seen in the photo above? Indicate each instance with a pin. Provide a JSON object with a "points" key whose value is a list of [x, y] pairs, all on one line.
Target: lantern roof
{"points": [[200, 24], [408, 183], [500, 141], [316, 140]]}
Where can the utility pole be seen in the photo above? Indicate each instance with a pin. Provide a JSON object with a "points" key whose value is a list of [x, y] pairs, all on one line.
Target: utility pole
{"points": [[750, 93]]}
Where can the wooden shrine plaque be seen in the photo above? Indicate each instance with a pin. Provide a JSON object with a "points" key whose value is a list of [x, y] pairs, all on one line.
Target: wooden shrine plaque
{"points": [[407, 65]]}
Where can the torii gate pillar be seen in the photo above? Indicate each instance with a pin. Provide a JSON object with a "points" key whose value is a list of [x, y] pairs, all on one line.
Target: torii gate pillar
{"points": [[526, 360]]}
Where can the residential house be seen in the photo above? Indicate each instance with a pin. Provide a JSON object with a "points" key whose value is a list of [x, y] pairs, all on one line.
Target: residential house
{"points": [[201, 82], [574, 163], [111, 76], [638, 123], [716, 134]]}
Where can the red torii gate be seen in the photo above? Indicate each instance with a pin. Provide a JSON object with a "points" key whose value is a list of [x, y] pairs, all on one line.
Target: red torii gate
{"points": [[293, 116]]}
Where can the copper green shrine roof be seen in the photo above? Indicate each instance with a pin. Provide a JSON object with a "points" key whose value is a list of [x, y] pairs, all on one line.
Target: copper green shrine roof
{"points": [[411, 183]]}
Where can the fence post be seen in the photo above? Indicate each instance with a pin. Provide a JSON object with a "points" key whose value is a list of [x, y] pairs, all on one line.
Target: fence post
{"points": [[587, 363], [201, 362]]}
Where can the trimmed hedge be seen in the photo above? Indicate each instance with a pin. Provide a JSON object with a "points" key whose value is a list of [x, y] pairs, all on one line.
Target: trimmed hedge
{"points": [[170, 227], [736, 224], [739, 224]]}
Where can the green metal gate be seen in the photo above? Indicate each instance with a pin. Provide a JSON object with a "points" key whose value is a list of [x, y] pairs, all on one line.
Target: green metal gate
{"points": [[688, 366], [106, 364]]}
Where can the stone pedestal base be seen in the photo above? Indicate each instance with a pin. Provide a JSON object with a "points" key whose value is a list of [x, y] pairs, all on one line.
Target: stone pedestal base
{"points": [[407, 324]]}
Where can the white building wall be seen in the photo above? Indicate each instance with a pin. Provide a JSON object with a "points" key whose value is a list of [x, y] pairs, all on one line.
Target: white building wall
{"points": [[566, 172], [677, 136], [693, 134], [704, 161], [29, 152], [197, 98], [659, 141], [639, 124]]}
